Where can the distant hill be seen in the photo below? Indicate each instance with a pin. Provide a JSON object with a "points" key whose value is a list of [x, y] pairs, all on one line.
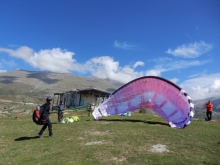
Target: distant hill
{"points": [[200, 104], [41, 84]]}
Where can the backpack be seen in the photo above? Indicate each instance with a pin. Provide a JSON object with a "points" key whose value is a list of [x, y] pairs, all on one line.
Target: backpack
{"points": [[37, 116]]}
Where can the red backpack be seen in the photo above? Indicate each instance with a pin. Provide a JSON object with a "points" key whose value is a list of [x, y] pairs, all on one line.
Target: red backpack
{"points": [[38, 115]]}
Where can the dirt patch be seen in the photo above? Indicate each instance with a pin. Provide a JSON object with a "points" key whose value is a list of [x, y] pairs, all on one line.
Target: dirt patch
{"points": [[159, 148], [121, 159], [81, 138], [95, 143], [3, 145], [97, 133]]}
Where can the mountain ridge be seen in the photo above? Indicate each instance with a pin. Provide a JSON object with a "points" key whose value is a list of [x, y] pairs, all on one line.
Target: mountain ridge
{"points": [[42, 84], [48, 83]]}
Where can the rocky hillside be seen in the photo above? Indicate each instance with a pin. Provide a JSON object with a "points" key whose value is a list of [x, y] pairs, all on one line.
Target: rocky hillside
{"points": [[200, 104], [21, 90], [32, 87], [41, 84]]}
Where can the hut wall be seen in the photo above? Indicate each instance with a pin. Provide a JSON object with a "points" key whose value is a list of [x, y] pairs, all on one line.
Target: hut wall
{"points": [[87, 99]]}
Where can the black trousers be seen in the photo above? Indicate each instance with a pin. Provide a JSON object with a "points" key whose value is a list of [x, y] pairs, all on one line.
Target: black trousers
{"points": [[47, 124], [60, 116], [89, 112], [209, 115]]}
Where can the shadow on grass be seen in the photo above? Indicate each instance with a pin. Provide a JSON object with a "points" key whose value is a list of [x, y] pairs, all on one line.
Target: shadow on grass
{"points": [[133, 120], [26, 138]]}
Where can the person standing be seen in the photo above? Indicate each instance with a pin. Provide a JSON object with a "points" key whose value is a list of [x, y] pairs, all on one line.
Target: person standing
{"points": [[90, 108], [60, 111], [45, 116], [209, 107]]}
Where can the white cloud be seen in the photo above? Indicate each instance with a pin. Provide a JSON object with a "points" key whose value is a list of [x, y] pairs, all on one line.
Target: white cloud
{"points": [[123, 45], [216, 84], [55, 60], [180, 64], [9, 63], [23, 52], [61, 61], [174, 80], [205, 86], [138, 63], [106, 68], [173, 65], [155, 72], [198, 74], [191, 50]]}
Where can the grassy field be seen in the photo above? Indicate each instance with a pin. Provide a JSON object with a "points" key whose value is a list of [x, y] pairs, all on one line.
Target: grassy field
{"points": [[140, 139]]}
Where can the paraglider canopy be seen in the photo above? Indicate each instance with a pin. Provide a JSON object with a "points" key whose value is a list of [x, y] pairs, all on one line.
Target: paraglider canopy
{"points": [[161, 95]]}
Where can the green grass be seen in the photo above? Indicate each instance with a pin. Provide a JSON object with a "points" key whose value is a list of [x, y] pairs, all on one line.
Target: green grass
{"points": [[112, 140]]}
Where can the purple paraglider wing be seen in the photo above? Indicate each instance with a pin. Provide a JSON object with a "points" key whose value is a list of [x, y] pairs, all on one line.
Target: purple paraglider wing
{"points": [[158, 94]]}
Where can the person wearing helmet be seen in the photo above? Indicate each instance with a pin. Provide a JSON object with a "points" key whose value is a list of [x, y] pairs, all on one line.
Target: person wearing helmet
{"points": [[46, 113]]}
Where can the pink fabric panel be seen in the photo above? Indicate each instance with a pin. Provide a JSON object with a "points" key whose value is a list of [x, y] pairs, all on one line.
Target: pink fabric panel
{"points": [[164, 98]]}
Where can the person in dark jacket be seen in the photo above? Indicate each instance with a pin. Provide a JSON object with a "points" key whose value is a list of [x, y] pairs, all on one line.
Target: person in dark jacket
{"points": [[60, 111], [46, 114]]}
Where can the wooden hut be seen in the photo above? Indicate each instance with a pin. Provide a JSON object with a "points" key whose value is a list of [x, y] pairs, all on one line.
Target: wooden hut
{"points": [[80, 97]]}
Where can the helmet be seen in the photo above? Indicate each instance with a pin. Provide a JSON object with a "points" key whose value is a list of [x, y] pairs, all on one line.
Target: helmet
{"points": [[49, 99]]}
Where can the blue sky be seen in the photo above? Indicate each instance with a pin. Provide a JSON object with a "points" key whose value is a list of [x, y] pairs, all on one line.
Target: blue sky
{"points": [[121, 40]]}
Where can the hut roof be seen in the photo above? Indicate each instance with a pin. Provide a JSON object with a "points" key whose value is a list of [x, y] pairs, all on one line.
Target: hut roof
{"points": [[91, 91]]}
